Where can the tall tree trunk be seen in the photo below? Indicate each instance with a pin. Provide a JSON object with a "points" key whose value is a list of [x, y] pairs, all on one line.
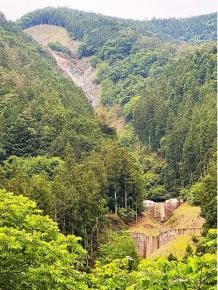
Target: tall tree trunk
{"points": [[91, 245], [136, 217], [125, 199], [115, 196], [55, 209]]}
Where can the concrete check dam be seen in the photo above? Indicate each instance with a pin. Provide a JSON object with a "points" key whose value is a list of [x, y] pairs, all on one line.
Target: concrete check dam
{"points": [[161, 212]]}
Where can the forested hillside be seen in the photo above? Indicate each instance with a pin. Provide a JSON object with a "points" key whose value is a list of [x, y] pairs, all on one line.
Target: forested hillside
{"points": [[95, 29], [167, 94], [89, 180], [53, 150]]}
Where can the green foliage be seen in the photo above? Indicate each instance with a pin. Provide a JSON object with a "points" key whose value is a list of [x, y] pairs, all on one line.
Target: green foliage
{"points": [[40, 191], [46, 106], [51, 148], [177, 117], [195, 239], [34, 255], [194, 193], [59, 47], [196, 273], [208, 197], [117, 49], [129, 107], [120, 245], [125, 182], [96, 29], [2, 178], [36, 165], [171, 258], [26, 235], [105, 128], [128, 215], [158, 193], [188, 252], [113, 275], [154, 168], [176, 85], [127, 138], [75, 194], [208, 244], [85, 50], [19, 139], [72, 166]]}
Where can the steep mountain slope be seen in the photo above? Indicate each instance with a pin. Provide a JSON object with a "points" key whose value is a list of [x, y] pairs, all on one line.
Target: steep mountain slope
{"points": [[79, 71], [48, 109], [165, 92], [54, 151], [52, 148]]}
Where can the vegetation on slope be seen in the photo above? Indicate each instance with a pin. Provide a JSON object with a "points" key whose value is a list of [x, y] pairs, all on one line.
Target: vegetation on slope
{"points": [[34, 254], [167, 93], [54, 151], [145, 224], [59, 47], [176, 247], [95, 29], [169, 101], [185, 216]]}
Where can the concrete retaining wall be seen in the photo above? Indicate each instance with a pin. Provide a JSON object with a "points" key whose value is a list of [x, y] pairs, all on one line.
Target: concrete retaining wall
{"points": [[161, 211], [146, 245]]}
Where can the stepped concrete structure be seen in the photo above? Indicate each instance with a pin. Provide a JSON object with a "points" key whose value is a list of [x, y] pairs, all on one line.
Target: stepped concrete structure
{"points": [[146, 245], [161, 211]]}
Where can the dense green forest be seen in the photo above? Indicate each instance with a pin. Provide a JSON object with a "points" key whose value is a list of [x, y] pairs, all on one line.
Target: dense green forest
{"points": [[95, 29], [167, 95], [53, 150], [63, 168]]}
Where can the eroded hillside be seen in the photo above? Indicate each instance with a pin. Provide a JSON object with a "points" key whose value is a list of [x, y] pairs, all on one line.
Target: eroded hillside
{"points": [[79, 71]]}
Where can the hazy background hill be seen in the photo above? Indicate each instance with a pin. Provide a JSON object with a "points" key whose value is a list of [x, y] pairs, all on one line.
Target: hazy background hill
{"points": [[95, 29]]}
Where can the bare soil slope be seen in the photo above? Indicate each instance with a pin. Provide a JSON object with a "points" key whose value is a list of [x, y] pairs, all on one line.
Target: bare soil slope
{"points": [[186, 216], [79, 71], [145, 225]]}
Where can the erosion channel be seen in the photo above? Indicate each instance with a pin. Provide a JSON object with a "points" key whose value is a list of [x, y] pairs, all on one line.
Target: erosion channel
{"points": [[79, 71]]}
